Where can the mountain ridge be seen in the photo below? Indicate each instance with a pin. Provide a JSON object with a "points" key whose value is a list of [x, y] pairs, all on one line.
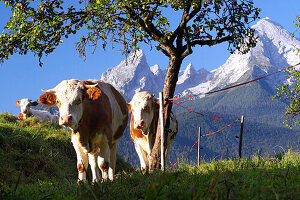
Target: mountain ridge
{"points": [[274, 51]]}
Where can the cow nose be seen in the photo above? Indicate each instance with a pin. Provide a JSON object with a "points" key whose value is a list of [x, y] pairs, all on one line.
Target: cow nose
{"points": [[139, 124], [66, 119], [24, 111]]}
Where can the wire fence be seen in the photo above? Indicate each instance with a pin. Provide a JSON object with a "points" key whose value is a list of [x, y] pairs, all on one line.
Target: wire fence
{"points": [[201, 137], [216, 118]]}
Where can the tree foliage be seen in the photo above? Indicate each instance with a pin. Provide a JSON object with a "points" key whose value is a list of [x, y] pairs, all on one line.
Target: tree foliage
{"points": [[40, 26], [290, 91]]}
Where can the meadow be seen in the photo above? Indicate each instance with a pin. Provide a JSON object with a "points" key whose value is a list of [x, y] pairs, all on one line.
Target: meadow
{"points": [[38, 162]]}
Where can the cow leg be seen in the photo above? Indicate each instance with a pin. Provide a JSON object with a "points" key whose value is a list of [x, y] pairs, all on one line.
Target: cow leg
{"points": [[149, 158], [104, 166], [103, 159], [143, 158], [113, 160], [82, 158], [94, 167]]}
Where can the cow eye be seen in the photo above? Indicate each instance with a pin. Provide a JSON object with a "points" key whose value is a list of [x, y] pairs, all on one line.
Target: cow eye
{"points": [[58, 103], [146, 108], [77, 102]]}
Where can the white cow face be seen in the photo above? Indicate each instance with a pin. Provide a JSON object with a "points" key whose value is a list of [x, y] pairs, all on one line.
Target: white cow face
{"points": [[142, 106], [25, 105], [69, 97]]}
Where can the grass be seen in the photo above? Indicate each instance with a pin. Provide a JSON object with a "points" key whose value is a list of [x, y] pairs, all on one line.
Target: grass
{"points": [[33, 150], [38, 162]]}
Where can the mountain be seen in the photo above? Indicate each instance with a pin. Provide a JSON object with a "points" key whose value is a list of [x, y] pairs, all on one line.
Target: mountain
{"points": [[273, 51], [190, 78], [134, 74], [263, 116]]}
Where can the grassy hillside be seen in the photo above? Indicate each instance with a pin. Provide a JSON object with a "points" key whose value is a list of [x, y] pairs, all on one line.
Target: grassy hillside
{"points": [[38, 162], [273, 178], [32, 150]]}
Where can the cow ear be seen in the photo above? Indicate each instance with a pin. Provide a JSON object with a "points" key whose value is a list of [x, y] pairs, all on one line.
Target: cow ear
{"points": [[156, 104], [129, 108], [87, 82], [17, 103], [93, 93], [34, 103], [48, 99]]}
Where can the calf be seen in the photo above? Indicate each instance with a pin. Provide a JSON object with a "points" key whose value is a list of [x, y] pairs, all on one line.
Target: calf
{"points": [[98, 115], [143, 126], [27, 111]]}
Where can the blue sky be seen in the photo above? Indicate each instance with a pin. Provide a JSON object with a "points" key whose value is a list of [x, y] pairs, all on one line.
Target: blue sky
{"points": [[21, 76]]}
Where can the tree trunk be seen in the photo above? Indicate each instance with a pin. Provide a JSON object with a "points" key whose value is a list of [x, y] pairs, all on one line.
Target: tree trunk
{"points": [[168, 92]]}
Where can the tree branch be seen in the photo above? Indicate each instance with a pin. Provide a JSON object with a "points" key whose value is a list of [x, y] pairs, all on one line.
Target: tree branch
{"points": [[147, 25], [188, 45], [210, 42], [165, 52], [186, 17], [194, 12]]}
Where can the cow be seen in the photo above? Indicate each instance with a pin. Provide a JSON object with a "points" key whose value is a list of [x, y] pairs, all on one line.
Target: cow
{"points": [[98, 115], [143, 125], [26, 111]]}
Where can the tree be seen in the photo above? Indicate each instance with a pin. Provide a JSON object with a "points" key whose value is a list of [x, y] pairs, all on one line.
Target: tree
{"points": [[290, 91], [40, 27]]}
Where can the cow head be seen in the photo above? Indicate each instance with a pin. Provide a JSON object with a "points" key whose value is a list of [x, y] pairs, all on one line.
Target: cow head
{"points": [[143, 105], [70, 95], [25, 106]]}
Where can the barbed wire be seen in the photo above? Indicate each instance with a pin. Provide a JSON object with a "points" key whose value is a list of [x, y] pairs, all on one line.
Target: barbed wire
{"points": [[217, 118], [197, 142]]}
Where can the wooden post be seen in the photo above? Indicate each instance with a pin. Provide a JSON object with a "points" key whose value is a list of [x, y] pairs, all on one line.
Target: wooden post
{"points": [[199, 140], [241, 137], [162, 131]]}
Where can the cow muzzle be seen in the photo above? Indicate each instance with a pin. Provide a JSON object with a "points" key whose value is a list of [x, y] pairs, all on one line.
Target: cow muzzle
{"points": [[139, 124], [66, 120]]}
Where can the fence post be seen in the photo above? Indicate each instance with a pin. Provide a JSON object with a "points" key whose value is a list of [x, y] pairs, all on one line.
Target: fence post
{"points": [[162, 132], [241, 137], [199, 140]]}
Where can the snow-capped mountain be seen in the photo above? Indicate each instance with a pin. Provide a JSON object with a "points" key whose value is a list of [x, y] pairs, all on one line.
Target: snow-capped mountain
{"points": [[190, 78], [273, 51], [134, 74]]}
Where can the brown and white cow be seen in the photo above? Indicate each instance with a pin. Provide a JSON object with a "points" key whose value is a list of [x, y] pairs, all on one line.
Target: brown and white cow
{"points": [[98, 115], [143, 125], [26, 111]]}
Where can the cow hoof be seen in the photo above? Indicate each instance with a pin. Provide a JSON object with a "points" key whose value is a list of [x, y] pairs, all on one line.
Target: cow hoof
{"points": [[144, 171], [81, 182]]}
